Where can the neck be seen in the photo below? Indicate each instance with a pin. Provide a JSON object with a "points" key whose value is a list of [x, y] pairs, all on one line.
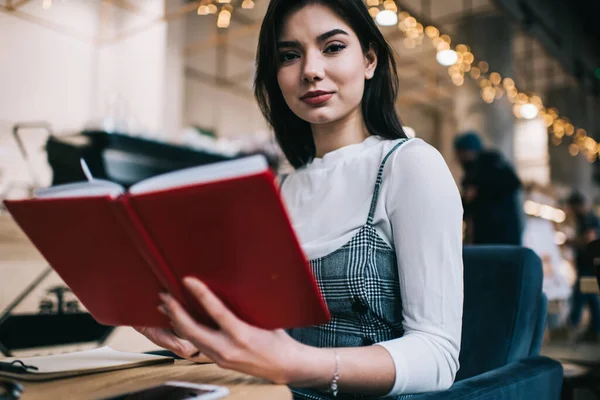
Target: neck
{"points": [[334, 135]]}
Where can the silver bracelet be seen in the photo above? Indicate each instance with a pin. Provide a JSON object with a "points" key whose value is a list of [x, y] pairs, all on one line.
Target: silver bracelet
{"points": [[333, 388]]}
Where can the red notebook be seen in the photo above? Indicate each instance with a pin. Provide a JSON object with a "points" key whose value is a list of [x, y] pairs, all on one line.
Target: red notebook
{"points": [[223, 223]]}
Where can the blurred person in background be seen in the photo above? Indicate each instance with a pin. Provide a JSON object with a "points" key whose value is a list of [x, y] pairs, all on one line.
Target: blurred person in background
{"points": [[490, 192], [587, 230]]}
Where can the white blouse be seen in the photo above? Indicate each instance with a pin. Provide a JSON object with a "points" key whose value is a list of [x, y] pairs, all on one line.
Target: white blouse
{"points": [[419, 214]]}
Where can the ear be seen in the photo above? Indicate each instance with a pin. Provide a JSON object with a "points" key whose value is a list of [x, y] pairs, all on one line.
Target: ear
{"points": [[370, 62]]}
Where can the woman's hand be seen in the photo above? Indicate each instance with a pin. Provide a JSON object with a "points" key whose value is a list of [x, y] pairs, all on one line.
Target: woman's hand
{"points": [[235, 345], [167, 339]]}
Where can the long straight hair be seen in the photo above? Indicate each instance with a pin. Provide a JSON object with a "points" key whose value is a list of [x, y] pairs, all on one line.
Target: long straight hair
{"points": [[294, 134]]}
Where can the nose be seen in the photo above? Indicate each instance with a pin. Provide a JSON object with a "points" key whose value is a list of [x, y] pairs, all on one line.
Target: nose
{"points": [[314, 68]]}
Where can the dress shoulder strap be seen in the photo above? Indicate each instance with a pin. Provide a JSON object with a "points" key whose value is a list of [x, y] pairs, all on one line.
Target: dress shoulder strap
{"points": [[282, 179], [379, 180]]}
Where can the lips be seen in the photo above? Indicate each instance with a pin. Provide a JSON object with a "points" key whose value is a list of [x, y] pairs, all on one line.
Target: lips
{"points": [[316, 97]]}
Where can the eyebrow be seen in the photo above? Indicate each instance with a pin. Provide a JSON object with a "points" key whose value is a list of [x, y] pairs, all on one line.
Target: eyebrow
{"points": [[321, 38]]}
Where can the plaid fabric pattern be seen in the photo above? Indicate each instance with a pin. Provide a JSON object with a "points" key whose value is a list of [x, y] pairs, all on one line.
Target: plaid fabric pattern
{"points": [[360, 285]]}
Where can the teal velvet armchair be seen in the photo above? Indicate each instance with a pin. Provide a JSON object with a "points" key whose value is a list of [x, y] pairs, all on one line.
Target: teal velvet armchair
{"points": [[503, 326]]}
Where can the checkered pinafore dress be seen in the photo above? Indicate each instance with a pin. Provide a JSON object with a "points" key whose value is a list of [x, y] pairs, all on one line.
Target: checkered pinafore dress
{"points": [[360, 285]]}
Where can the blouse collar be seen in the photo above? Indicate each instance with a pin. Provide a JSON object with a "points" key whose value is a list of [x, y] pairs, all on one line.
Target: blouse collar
{"points": [[345, 152]]}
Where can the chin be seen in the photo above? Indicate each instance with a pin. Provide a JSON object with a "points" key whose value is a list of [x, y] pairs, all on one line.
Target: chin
{"points": [[320, 116]]}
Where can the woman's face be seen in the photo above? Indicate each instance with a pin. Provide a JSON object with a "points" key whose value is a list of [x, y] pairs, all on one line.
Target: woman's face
{"points": [[322, 66]]}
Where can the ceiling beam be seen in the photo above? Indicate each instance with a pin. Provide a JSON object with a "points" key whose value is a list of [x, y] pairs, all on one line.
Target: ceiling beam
{"points": [[170, 16], [242, 18], [10, 6], [239, 52], [218, 82], [132, 8], [241, 77], [456, 16], [49, 25], [216, 39]]}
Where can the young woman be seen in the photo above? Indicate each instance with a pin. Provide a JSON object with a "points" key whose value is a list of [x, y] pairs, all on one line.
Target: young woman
{"points": [[378, 215]]}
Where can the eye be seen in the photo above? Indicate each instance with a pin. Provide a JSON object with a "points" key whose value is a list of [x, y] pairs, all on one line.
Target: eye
{"points": [[335, 48], [288, 56]]}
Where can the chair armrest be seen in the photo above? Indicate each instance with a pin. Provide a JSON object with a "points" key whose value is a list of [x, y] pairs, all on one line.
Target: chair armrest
{"points": [[530, 378]]}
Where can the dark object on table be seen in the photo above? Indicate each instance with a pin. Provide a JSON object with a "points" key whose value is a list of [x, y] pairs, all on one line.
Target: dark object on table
{"points": [[20, 332], [10, 390], [503, 326], [58, 322], [120, 158]]}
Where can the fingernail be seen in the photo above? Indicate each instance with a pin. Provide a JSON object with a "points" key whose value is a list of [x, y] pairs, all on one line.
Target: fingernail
{"points": [[193, 283], [163, 309], [165, 297]]}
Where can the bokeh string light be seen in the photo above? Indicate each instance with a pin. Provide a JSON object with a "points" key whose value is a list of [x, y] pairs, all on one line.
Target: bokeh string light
{"points": [[223, 9], [461, 62]]}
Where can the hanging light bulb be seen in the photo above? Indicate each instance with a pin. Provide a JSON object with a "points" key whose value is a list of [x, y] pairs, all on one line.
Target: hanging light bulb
{"points": [[390, 5], [248, 4], [386, 18], [432, 32], [529, 111], [224, 17], [447, 57], [202, 10]]}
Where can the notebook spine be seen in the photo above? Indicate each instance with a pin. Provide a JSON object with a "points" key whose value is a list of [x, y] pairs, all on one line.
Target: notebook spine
{"points": [[135, 229]]}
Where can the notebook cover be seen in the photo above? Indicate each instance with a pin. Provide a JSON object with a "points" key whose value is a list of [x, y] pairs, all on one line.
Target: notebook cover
{"points": [[85, 243], [236, 237], [110, 252]]}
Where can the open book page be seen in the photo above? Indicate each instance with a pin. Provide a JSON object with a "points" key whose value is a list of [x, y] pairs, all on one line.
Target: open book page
{"points": [[90, 188], [94, 188], [82, 362], [189, 176], [203, 174]]}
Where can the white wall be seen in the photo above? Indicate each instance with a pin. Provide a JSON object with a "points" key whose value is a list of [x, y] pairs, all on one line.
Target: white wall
{"points": [[229, 114], [45, 76], [138, 76], [130, 79]]}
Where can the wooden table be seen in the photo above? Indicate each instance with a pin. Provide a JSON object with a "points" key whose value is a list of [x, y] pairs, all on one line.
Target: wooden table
{"points": [[589, 285], [102, 385]]}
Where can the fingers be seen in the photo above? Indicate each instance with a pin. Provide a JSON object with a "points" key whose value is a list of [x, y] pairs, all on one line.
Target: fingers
{"points": [[166, 339], [214, 307], [201, 358], [209, 341], [184, 324]]}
